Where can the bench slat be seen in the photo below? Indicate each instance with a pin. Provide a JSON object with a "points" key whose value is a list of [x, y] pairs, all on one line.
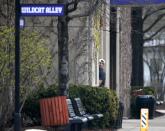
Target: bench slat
{"points": [[82, 111]]}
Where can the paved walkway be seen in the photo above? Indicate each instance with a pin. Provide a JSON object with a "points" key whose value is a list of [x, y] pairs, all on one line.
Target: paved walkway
{"points": [[156, 124]]}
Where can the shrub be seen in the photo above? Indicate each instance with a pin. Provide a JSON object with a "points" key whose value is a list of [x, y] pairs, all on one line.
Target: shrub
{"points": [[139, 90], [35, 55], [95, 100], [32, 108], [149, 91]]}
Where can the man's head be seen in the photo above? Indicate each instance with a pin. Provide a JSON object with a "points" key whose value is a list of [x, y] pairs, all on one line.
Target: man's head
{"points": [[101, 62]]}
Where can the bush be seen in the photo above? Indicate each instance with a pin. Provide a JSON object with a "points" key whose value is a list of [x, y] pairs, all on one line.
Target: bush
{"points": [[149, 91], [31, 107], [35, 55], [95, 100], [139, 90]]}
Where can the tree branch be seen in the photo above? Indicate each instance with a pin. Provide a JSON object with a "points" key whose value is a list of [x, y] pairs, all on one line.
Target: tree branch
{"points": [[2, 14], [152, 12], [79, 15], [154, 23], [87, 13], [163, 73], [149, 38]]}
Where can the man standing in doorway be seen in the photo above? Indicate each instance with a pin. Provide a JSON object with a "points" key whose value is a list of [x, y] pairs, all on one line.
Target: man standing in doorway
{"points": [[101, 73]]}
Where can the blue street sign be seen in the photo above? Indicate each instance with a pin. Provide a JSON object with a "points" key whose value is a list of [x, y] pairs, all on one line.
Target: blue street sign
{"points": [[42, 10], [135, 2]]}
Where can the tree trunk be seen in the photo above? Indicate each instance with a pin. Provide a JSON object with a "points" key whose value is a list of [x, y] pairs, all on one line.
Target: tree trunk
{"points": [[137, 47], [63, 54], [125, 58]]}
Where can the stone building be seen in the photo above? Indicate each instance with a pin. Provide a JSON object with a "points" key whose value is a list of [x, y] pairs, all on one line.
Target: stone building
{"points": [[89, 40]]}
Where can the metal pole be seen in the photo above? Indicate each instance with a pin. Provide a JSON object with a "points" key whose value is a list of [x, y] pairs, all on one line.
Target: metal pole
{"points": [[17, 115]]}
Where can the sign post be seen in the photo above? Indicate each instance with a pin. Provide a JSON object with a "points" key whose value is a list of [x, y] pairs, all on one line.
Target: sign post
{"points": [[144, 120], [27, 10], [17, 114]]}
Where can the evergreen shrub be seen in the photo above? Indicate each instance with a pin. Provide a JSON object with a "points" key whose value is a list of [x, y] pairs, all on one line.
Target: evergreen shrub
{"points": [[31, 107], [98, 100], [95, 100]]}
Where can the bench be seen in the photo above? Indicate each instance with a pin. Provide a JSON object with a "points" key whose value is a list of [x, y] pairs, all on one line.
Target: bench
{"points": [[81, 111], [75, 122]]}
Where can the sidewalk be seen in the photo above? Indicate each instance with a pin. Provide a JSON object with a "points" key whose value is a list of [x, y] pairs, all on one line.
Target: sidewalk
{"points": [[156, 124]]}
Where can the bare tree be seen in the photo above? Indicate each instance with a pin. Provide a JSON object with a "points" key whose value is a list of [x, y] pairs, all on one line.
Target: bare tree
{"points": [[154, 57], [144, 20]]}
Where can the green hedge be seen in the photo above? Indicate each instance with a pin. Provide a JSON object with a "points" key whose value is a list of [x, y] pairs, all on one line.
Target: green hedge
{"points": [[31, 107], [95, 100]]}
